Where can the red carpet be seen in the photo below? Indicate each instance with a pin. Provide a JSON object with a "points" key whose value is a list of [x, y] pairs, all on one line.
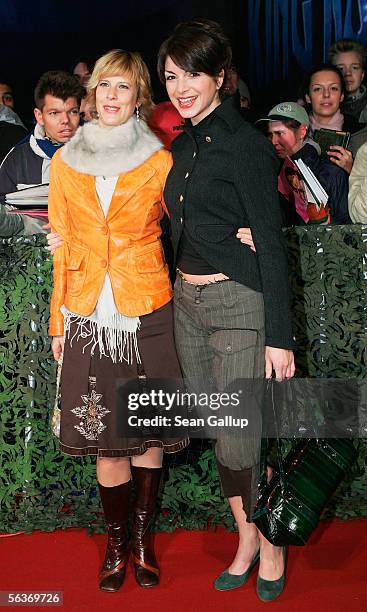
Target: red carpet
{"points": [[328, 575]]}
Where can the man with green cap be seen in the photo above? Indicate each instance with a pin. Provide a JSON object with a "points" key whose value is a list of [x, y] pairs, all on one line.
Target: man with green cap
{"points": [[287, 128]]}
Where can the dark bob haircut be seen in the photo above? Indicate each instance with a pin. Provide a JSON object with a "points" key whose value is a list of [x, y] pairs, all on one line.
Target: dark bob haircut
{"points": [[200, 45], [321, 68], [58, 84]]}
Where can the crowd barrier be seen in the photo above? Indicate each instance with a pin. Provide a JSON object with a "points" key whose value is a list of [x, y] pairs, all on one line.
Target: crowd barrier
{"points": [[42, 489]]}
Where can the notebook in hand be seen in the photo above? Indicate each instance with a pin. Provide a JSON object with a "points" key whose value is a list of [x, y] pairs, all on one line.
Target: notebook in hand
{"points": [[31, 197], [325, 138], [314, 190]]}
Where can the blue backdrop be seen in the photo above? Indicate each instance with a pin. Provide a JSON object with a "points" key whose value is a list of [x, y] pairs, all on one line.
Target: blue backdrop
{"points": [[274, 41]]}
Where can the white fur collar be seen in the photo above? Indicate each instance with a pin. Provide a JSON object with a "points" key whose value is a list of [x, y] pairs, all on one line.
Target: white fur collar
{"points": [[110, 151]]}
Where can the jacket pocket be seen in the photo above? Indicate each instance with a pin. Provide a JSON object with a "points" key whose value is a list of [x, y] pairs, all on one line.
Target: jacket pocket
{"points": [[152, 261], [214, 232], [76, 271], [151, 275]]}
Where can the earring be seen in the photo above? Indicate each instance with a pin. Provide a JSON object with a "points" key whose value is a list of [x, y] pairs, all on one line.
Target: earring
{"points": [[137, 113]]}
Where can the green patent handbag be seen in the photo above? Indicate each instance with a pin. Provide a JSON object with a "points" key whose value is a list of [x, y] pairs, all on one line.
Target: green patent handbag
{"points": [[288, 507]]}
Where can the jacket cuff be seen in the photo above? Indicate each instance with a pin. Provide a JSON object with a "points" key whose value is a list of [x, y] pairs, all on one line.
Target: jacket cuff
{"points": [[56, 326], [288, 343]]}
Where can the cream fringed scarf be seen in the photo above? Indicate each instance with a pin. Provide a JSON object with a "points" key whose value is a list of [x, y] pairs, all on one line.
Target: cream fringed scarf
{"points": [[105, 153]]}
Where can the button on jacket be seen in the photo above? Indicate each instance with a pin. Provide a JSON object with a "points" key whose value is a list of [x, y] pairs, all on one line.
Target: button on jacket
{"points": [[224, 176], [126, 244]]}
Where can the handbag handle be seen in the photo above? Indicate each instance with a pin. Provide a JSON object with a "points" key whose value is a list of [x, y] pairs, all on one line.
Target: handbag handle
{"points": [[265, 441]]}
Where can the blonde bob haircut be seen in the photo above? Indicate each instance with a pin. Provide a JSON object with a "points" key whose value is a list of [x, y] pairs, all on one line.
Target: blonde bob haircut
{"points": [[118, 62]]}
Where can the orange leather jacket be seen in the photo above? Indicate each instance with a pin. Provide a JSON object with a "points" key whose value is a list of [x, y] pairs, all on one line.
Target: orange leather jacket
{"points": [[126, 244]]}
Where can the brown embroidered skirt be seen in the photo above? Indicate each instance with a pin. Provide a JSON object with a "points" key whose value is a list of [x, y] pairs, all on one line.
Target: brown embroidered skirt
{"points": [[89, 399]]}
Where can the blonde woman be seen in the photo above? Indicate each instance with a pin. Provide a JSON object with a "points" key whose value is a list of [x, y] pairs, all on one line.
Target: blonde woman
{"points": [[111, 314]]}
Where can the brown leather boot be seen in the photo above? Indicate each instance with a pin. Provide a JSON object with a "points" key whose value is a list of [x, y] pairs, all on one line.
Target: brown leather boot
{"points": [[145, 564], [116, 505]]}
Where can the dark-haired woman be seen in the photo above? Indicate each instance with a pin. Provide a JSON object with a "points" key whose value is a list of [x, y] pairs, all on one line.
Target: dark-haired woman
{"points": [[324, 91], [232, 318], [83, 68]]}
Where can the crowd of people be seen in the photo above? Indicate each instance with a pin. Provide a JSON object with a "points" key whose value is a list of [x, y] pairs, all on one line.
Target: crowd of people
{"points": [[333, 96], [112, 314]]}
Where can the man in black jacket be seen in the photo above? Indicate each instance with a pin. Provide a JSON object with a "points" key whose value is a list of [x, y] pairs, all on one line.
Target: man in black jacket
{"points": [[57, 97]]}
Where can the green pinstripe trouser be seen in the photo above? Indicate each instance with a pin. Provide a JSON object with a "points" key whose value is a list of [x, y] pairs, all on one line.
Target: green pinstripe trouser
{"points": [[219, 334]]}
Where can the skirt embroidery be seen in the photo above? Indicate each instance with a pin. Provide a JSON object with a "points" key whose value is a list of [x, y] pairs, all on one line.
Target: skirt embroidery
{"points": [[91, 414], [90, 405]]}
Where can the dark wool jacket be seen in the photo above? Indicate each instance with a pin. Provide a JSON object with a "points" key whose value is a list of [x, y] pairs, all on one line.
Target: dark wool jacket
{"points": [[224, 176], [351, 124], [355, 105]]}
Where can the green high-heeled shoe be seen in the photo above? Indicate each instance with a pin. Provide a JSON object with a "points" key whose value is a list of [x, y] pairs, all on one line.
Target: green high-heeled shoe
{"points": [[268, 590], [227, 581]]}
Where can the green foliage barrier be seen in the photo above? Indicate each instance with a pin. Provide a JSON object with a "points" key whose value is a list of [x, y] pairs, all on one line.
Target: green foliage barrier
{"points": [[42, 489]]}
